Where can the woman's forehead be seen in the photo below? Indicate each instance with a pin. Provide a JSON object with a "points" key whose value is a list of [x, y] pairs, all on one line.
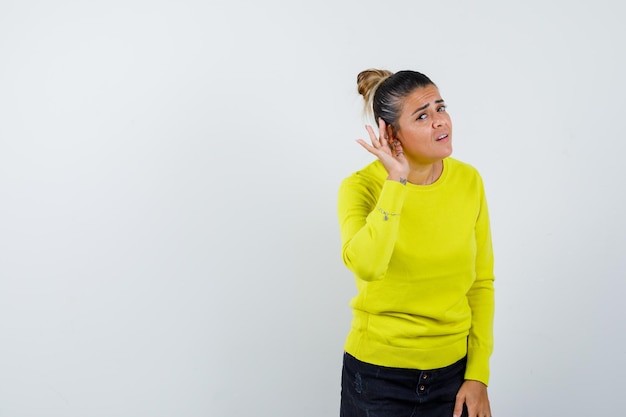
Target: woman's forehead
{"points": [[420, 97]]}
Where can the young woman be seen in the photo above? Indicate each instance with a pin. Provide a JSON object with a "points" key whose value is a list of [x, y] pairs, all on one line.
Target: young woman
{"points": [[415, 232]]}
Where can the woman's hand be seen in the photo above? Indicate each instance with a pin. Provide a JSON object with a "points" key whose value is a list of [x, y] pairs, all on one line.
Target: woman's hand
{"points": [[389, 152], [474, 395]]}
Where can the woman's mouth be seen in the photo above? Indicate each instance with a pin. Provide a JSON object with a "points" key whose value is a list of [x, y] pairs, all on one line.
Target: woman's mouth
{"points": [[442, 137]]}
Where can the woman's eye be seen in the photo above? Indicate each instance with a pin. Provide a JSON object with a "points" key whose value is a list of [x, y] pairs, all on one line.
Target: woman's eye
{"points": [[440, 109]]}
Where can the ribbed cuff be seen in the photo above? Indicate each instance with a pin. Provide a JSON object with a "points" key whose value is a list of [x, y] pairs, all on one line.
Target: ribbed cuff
{"points": [[478, 365]]}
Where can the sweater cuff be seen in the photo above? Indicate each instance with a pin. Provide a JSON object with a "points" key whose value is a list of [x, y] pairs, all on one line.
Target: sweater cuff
{"points": [[477, 365]]}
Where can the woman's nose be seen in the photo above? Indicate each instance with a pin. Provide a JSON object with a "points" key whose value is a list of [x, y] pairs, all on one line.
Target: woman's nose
{"points": [[438, 121]]}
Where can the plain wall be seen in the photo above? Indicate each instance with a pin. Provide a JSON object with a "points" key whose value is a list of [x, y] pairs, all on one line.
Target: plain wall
{"points": [[168, 175]]}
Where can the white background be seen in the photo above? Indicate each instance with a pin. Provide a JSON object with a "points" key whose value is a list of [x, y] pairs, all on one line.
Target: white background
{"points": [[168, 176]]}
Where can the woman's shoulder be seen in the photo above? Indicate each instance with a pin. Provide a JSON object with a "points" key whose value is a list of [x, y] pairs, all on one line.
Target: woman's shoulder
{"points": [[366, 183], [460, 167], [463, 174], [371, 174]]}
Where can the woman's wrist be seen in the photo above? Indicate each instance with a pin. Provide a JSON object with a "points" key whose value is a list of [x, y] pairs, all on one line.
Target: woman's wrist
{"points": [[397, 177]]}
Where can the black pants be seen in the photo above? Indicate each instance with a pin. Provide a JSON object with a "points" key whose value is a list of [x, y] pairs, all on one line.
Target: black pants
{"points": [[376, 391]]}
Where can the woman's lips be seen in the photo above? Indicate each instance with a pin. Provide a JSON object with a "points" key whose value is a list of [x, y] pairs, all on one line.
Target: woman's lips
{"points": [[443, 137]]}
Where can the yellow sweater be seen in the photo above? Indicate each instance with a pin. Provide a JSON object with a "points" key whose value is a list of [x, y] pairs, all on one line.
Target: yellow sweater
{"points": [[423, 264]]}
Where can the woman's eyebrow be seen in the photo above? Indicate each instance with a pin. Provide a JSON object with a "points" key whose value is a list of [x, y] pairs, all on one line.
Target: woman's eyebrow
{"points": [[426, 106], [421, 108]]}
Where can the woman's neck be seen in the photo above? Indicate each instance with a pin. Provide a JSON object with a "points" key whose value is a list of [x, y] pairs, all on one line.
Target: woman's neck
{"points": [[425, 174]]}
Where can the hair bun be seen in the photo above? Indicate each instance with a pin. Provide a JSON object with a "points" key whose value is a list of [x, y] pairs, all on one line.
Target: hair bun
{"points": [[368, 81]]}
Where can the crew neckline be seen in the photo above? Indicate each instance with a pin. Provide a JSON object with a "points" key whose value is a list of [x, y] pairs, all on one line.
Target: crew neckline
{"points": [[438, 182]]}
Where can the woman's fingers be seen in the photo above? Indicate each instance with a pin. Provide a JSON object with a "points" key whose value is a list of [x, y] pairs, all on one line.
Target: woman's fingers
{"points": [[367, 146], [381, 141], [375, 141], [382, 129], [388, 152], [381, 145]]}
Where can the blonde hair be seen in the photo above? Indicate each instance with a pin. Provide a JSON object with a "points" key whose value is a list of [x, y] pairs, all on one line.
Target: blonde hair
{"points": [[368, 82]]}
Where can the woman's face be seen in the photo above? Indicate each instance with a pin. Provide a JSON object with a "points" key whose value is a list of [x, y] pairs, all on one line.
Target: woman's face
{"points": [[424, 127]]}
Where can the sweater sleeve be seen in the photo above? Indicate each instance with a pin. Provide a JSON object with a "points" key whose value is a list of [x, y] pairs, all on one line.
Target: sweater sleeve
{"points": [[481, 301], [369, 224]]}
